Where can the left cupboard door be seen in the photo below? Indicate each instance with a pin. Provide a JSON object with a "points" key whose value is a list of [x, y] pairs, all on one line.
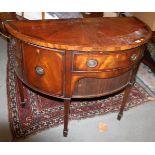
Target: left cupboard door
{"points": [[43, 69]]}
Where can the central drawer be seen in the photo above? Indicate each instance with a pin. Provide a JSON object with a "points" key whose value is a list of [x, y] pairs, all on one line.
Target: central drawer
{"points": [[105, 61]]}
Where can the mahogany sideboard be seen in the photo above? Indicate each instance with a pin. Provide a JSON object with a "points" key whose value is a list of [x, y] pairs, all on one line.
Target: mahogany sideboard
{"points": [[78, 58]]}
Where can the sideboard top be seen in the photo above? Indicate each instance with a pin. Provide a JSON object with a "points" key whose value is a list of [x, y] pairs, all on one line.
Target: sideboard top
{"points": [[88, 34]]}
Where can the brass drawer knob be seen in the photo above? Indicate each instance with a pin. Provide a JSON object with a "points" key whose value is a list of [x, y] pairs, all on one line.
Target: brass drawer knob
{"points": [[39, 70], [92, 63], [133, 57]]}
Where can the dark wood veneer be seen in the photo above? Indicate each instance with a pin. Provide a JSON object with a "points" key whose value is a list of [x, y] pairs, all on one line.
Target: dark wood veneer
{"points": [[78, 58]]}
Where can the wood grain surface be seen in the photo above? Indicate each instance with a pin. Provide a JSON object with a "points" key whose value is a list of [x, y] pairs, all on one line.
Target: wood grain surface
{"points": [[78, 58], [97, 34]]}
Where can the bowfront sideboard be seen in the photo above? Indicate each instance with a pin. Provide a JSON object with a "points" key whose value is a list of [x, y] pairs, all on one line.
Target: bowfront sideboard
{"points": [[78, 58]]}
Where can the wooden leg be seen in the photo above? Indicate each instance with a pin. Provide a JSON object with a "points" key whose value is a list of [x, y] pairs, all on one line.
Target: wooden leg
{"points": [[125, 98], [127, 91], [66, 116], [21, 92]]}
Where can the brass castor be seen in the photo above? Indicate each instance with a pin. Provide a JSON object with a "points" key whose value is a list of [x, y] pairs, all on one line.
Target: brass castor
{"points": [[119, 116], [65, 133]]}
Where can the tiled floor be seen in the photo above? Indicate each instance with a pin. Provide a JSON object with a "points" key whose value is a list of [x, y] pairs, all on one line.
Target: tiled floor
{"points": [[138, 124]]}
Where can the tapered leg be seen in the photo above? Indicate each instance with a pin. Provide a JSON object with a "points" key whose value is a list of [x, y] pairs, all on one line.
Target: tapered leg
{"points": [[66, 116], [125, 98], [21, 92], [127, 91]]}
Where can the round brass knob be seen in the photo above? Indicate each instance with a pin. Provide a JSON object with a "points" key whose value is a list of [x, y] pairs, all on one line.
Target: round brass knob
{"points": [[133, 57], [39, 70], [92, 63]]}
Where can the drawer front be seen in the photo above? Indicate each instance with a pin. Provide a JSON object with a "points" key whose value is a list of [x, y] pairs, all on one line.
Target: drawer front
{"points": [[43, 69], [93, 87], [96, 62]]}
